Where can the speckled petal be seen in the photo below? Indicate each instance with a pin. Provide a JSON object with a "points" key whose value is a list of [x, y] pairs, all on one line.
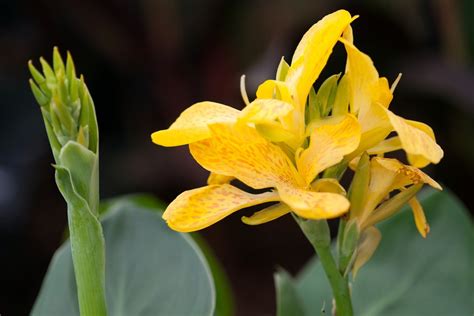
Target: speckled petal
{"points": [[240, 151], [199, 208], [328, 146], [313, 205], [192, 124]]}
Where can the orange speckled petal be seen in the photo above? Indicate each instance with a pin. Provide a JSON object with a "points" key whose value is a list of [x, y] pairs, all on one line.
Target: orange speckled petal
{"points": [[266, 215], [329, 144], [313, 205], [199, 208], [420, 218], [240, 151], [192, 124]]}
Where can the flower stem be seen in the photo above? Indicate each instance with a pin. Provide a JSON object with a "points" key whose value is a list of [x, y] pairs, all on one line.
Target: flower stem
{"points": [[319, 236]]}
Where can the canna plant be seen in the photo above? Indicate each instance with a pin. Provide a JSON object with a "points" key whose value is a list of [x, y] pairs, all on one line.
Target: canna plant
{"points": [[297, 143]]}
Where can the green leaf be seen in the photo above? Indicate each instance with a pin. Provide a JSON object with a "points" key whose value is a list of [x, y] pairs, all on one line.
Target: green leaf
{"points": [[409, 275], [150, 270], [288, 300]]}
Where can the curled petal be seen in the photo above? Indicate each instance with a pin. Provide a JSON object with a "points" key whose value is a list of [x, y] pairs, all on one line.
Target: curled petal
{"points": [[416, 141], [266, 215], [192, 125], [199, 208]]}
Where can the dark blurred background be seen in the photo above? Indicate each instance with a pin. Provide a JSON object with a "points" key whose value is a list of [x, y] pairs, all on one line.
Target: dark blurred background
{"points": [[146, 61]]}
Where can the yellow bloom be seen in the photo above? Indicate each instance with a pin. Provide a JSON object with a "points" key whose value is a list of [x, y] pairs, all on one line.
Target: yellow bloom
{"points": [[387, 175], [239, 151], [234, 144], [370, 97]]}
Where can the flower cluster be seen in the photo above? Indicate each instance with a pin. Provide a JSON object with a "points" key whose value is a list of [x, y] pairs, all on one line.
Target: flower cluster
{"points": [[297, 142]]}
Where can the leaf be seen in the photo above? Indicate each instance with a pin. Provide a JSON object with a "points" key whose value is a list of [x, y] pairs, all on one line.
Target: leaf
{"points": [[409, 275], [288, 300], [150, 270]]}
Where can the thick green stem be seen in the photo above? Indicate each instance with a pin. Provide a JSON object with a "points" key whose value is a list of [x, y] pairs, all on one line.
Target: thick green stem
{"points": [[87, 246], [319, 236]]}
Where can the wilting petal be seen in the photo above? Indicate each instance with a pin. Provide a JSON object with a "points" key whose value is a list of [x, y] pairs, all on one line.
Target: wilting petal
{"points": [[328, 146], [199, 208], [265, 110], [240, 151], [406, 175], [420, 218], [369, 242], [312, 53], [416, 141], [313, 205], [192, 125], [266, 215]]}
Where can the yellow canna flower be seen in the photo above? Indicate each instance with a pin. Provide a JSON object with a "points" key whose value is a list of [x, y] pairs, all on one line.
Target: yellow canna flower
{"points": [[239, 151], [249, 145], [370, 97], [385, 176]]}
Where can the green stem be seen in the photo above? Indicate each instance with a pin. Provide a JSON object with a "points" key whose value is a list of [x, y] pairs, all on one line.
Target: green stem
{"points": [[339, 284], [87, 245], [319, 236]]}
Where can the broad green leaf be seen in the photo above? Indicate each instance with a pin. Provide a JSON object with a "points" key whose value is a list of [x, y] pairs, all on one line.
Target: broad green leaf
{"points": [[288, 300], [409, 275], [150, 270]]}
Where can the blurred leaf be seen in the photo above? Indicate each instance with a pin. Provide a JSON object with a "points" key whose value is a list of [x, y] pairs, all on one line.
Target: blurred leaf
{"points": [[288, 300], [150, 270], [409, 275]]}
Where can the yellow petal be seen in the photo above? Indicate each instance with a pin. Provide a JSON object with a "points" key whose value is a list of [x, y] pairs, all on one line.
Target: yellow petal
{"points": [[363, 78], [265, 110], [274, 89], [192, 125], [312, 53], [416, 141], [240, 151], [419, 216], [369, 242], [313, 205], [385, 146], [199, 208], [328, 185], [274, 132], [328, 146], [215, 178], [418, 160], [406, 175], [266, 215]]}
